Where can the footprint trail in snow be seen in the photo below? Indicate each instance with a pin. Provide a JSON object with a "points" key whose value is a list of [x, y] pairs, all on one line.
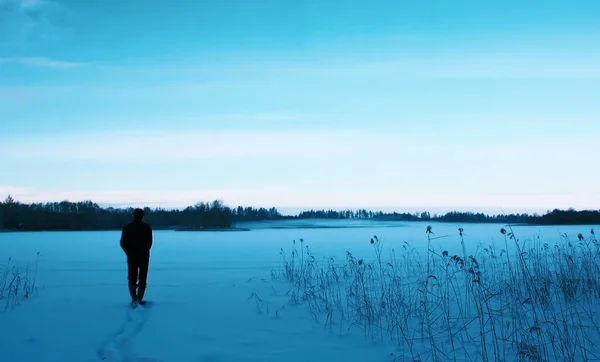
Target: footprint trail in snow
{"points": [[118, 346]]}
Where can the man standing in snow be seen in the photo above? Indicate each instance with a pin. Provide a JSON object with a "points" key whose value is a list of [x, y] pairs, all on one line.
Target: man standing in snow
{"points": [[136, 241]]}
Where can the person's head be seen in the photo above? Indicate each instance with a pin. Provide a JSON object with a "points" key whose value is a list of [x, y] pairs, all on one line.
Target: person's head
{"points": [[138, 214]]}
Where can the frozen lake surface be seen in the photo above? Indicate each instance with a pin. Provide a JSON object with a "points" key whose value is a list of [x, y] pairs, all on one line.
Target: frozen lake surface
{"points": [[200, 284]]}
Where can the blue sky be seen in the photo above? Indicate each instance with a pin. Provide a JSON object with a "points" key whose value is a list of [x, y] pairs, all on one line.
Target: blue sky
{"points": [[472, 104]]}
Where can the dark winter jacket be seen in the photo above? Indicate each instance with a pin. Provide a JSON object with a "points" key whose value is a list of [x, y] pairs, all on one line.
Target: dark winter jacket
{"points": [[136, 239]]}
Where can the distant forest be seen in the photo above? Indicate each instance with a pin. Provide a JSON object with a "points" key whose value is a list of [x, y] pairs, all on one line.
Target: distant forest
{"points": [[87, 215]]}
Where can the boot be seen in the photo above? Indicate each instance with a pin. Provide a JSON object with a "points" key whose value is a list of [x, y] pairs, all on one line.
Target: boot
{"points": [[140, 296], [132, 290]]}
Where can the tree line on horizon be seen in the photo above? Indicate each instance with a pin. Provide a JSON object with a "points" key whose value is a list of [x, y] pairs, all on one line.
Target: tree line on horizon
{"points": [[87, 215]]}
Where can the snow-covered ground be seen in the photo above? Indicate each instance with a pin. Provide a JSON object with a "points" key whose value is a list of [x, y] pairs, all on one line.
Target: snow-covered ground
{"points": [[212, 295]]}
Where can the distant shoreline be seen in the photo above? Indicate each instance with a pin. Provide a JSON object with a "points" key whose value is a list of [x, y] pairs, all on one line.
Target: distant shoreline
{"points": [[283, 225], [207, 229], [216, 216]]}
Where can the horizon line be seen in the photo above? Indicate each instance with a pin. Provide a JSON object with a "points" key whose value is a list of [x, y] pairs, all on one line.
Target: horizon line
{"points": [[295, 210]]}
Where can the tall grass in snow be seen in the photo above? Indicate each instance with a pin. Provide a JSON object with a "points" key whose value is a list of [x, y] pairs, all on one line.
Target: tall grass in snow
{"points": [[17, 283], [527, 301]]}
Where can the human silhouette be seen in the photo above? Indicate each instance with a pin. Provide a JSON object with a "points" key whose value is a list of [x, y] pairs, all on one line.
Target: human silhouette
{"points": [[136, 242]]}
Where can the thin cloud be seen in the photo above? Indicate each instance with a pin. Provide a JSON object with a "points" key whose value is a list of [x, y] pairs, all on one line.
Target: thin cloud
{"points": [[18, 94], [41, 62], [31, 3], [503, 65], [28, 23]]}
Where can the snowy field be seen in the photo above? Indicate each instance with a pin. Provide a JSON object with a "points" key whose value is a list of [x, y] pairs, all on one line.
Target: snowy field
{"points": [[229, 297]]}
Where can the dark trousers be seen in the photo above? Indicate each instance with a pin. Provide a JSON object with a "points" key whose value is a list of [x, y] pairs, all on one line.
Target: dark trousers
{"points": [[137, 266]]}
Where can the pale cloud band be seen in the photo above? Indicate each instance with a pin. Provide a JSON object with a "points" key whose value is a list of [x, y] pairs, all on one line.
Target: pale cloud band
{"points": [[337, 169], [376, 146], [196, 145], [41, 62], [283, 197], [129, 197]]}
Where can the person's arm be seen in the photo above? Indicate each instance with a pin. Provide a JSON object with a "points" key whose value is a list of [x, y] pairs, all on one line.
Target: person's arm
{"points": [[124, 241], [149, 238]]}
